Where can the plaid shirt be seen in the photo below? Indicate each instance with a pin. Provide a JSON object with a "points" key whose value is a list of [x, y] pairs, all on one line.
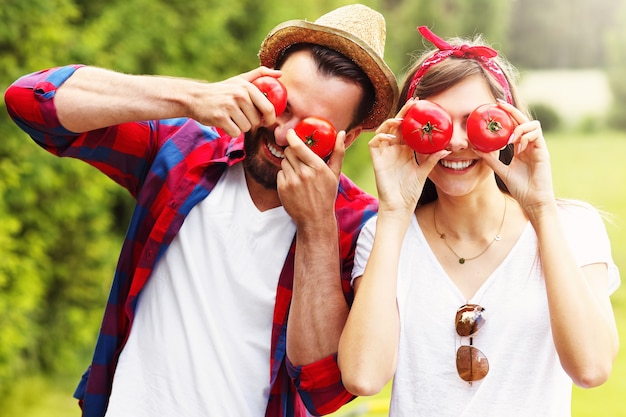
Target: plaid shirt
{"points": [[169, 166]]}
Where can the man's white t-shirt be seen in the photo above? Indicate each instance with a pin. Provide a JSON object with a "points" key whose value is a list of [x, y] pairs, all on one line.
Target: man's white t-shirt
{"points": [[200, 342], [525, 377]]}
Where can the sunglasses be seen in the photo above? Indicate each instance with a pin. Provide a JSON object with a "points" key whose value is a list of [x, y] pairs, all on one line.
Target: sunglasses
{"points": [[471, 363]]}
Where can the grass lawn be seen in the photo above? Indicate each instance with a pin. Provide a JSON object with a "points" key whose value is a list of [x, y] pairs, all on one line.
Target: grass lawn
{"points": [[590, 168]]}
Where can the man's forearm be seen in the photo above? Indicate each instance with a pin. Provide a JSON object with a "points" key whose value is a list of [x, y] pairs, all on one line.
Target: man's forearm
{"points": [[318, 307], [93, 98]]}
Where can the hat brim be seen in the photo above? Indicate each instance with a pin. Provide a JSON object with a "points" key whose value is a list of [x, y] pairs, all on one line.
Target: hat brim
{"points": [[301, 31]]}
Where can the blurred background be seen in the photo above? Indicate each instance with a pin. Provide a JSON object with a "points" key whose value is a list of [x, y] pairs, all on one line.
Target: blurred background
{"points": [[62, 223]]}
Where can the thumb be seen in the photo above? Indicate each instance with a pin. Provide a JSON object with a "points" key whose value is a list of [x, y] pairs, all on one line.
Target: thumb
{"points": [[431, 160], [493, 162]]}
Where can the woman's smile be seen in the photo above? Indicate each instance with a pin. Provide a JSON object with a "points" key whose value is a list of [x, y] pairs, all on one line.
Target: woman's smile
{"points": [[457, 165]]}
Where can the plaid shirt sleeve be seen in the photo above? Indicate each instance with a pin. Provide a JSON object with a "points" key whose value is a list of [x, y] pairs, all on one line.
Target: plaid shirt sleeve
{"points": [[319, 385], [122, 152]]}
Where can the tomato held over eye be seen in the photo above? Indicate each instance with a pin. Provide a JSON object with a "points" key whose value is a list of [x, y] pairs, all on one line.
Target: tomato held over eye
{"points": [[275, 92], [426, 127], [318, 134], [489, 128]]}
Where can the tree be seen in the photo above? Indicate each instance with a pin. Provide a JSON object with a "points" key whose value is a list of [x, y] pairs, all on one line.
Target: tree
{"points": [[57, 220], [447, 18], [560, 34], [616, 68]]}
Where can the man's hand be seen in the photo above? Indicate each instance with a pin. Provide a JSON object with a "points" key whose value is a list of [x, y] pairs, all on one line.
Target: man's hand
{"points": [[235, 104], [307, 185]]}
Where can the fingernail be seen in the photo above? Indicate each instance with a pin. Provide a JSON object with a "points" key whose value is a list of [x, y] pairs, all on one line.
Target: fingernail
{"points": [[511, 138], [389, 135]]}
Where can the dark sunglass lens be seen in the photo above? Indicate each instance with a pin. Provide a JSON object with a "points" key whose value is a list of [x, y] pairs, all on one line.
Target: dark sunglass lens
{"points": [[471, 363], [469, 318]]}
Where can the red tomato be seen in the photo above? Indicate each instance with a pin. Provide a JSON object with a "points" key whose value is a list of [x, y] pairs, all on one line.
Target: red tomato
{"points": [[318, 133], [427, 127], [275, 92], [489, 128]]}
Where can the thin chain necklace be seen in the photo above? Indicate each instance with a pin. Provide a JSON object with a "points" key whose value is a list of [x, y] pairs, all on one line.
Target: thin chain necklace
{"points": [[462, 259]]}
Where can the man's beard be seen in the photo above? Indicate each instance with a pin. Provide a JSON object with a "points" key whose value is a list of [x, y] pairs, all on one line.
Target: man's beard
{"points": [[255, 165]]}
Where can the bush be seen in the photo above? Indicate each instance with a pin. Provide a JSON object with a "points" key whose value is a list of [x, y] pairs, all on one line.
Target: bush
{"points": [[616, 116], [593, 123], [549, 118]]}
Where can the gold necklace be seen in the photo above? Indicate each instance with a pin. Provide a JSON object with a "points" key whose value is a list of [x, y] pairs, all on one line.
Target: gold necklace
{"points": [[462, 259]]}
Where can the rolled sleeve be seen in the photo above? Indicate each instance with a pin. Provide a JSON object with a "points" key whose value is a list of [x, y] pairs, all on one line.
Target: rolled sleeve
{"points": [[320, 385], [29, 102]]}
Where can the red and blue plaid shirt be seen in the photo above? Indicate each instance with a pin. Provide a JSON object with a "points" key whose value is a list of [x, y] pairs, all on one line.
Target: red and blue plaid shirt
{"points": [[169, 166]]}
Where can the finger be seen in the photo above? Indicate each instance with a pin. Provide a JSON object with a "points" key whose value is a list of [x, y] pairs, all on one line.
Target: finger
{"points": [[383, 139], [299, 152], [405, 108], [389, 125], [431, 160], [280, 178], [231, 129], [245, 118], [518, 116], [493, 161], [263, 108], [287, 168], [260, 72], [335, 161], [527, 133]]}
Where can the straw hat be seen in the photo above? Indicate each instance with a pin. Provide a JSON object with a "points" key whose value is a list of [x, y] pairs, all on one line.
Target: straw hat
{"points": [[357, 32]]}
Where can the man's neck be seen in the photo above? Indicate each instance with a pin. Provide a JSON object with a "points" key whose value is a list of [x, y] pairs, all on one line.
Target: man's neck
{"points": [[263, 198]]}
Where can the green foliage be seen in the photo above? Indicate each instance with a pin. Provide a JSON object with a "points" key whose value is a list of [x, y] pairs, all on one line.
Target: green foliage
{"points": [[32, 33], [58, 247], [448, 18], [548, 117], [561, 34]]}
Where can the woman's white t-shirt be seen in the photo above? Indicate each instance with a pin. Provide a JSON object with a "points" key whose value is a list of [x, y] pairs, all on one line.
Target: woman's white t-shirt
{"points": [[525, 377]]}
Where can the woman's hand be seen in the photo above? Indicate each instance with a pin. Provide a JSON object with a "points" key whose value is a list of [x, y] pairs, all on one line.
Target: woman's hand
{"points": [[529, 176], [399, 179]]}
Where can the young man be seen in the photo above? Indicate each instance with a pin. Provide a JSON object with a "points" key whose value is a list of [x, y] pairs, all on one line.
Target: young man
{"points": [[238, 224]]}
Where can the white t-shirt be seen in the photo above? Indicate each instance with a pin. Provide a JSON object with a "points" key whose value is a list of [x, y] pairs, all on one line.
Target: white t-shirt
{"points": [[200, 342], [525, 377]]}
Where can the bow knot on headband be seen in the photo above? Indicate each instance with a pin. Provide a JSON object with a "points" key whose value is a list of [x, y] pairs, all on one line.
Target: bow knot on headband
{"points": [[482, 54]]}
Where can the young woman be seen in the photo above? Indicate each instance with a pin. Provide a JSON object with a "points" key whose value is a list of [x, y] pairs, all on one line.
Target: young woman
{"points": [[477, 290]]}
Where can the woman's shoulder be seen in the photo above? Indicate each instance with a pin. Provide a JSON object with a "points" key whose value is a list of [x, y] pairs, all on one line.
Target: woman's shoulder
{"points": [[577, 211]]}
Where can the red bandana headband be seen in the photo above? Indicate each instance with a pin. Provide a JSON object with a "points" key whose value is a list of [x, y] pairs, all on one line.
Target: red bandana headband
{"points": [[481, 54]]}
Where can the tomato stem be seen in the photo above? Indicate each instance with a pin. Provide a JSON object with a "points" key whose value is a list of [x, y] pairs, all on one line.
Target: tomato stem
{"points": [[494, 126], [428, 129]]}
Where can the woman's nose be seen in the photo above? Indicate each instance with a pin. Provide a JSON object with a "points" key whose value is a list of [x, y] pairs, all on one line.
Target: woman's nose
{"points": [[459, 140], [283, 124]]}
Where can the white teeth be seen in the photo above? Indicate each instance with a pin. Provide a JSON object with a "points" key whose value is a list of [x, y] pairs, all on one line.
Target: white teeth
{"points": [[275, 151], [456, 165]]}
